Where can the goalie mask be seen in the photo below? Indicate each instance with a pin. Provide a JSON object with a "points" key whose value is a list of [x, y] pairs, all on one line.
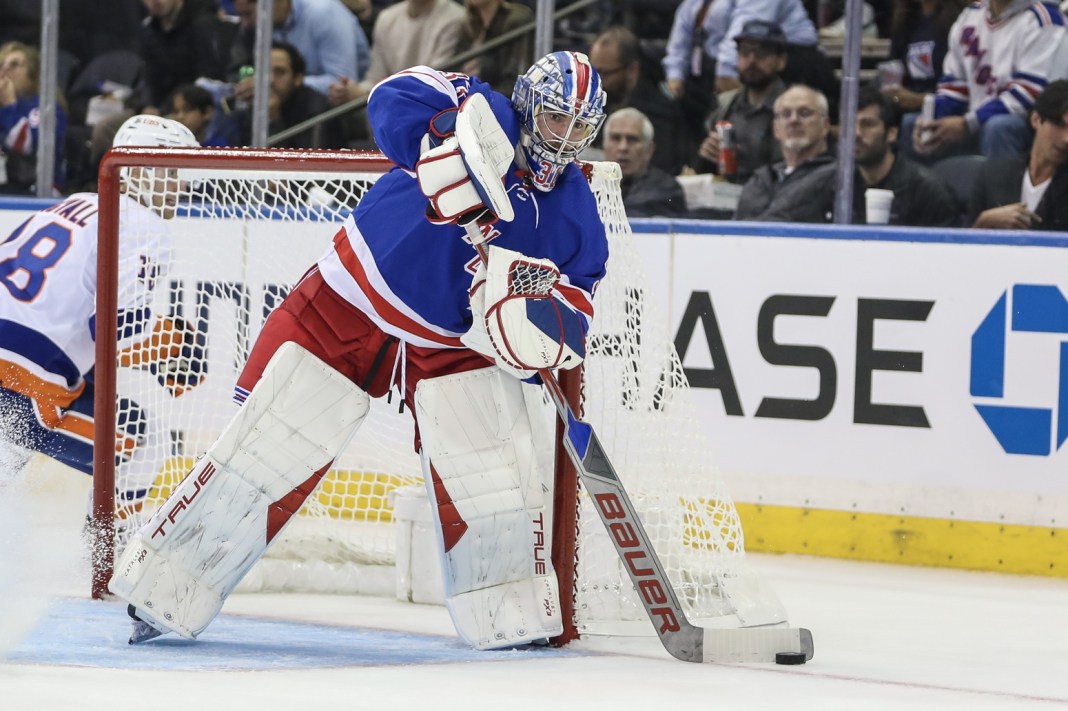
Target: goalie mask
{"points": [[561, 108]]}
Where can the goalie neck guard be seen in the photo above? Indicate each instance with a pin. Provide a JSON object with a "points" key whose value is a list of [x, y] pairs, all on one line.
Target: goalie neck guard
{"points": [[561, 108]]}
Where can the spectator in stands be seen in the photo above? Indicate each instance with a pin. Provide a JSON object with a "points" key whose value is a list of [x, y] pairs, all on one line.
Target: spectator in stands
{"points": [[20, 69], [366, 12], [919, 39], [1030, 192], [193, 107], [750, 109], [181, 41], [407, 34], [616, 55], [999, 59], [647, 190], [920, 198], [325, 32], [701, 61], [488, 20], [292, 102], [800, 187]]}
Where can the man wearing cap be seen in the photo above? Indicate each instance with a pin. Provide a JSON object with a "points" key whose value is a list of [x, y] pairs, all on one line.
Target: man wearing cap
{"points": [[761, 59]]}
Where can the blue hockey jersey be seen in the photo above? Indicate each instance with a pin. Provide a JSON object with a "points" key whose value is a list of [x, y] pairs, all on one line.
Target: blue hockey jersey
{"points": [[411, 277]]}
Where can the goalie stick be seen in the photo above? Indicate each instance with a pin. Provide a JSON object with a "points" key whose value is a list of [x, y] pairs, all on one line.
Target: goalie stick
{"points": [[681, 638]]}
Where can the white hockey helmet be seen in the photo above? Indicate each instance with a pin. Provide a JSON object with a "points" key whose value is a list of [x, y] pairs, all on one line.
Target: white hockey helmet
{"points": [[149, 130], [565, 85]]}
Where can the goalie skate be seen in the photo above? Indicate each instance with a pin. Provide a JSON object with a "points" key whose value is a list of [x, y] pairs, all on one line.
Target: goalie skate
{"points": [[141, 631]]}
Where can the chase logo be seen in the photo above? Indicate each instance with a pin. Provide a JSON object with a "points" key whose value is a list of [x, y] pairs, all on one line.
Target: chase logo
{"points": [[1036, 308]]}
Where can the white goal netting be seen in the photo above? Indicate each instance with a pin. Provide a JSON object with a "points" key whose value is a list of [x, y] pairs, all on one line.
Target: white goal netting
{"points": [[242, 237]]}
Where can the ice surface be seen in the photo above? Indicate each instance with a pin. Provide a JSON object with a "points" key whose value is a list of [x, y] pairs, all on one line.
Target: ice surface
{"points": [[886, 637]]}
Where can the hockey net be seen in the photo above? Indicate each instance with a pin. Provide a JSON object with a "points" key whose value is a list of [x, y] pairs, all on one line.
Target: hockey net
{"points": [[249, 222]]}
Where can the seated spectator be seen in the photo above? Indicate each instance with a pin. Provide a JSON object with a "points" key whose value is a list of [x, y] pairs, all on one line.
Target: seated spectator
{"points": [[920, 198], [487, 20], [761, 59], [407, 34], [999, 58], [919, 38], [800, 187], [616, 55], [647, 190], [181, 41], [20, 101], [325, 32], [194, 107], [292, 102], [701, 61], [1029, 193]]}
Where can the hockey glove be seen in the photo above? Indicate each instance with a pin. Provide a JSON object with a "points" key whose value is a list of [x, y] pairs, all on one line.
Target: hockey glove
{"points": [[463, 175], [174, 353], [517, 313]]}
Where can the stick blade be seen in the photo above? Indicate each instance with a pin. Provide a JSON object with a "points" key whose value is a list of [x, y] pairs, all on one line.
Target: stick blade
{"points": [[754, 644]]}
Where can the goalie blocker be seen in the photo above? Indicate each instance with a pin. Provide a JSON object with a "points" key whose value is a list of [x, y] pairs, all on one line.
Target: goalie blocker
{"points": [[463, 159]]}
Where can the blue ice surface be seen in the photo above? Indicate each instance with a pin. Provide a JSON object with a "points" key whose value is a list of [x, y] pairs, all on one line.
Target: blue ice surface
{"points": [[90, 633]]}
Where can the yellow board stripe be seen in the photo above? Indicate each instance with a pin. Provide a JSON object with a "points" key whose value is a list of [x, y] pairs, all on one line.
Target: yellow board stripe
{"points": [[911, 540]]}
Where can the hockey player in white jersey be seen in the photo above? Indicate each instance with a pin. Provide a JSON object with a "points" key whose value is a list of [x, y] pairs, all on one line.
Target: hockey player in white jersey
{"points": [[1000, 57], [402, 300], [48, 320]]}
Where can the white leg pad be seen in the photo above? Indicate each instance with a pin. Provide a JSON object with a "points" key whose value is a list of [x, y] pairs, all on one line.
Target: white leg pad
{"points": [[180, 566], [490, 494]]}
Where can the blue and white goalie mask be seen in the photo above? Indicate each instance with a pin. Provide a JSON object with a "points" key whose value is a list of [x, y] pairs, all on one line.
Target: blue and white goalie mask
{"points": [[561, 108]]}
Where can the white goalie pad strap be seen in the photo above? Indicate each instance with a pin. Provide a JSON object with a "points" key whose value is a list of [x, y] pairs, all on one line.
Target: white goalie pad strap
{"points": [[490, 490], [528, 326], [181, 565]]}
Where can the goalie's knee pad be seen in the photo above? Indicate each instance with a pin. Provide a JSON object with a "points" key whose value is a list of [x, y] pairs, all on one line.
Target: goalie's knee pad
{"points": [[491, 488], [181, 565]]}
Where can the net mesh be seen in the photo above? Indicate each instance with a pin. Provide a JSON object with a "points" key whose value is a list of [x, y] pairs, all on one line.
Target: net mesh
{"points": [[636, 397], [241, 239]]}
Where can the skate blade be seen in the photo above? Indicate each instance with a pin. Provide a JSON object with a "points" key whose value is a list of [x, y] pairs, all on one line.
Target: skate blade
{"points": [[142, 632]]}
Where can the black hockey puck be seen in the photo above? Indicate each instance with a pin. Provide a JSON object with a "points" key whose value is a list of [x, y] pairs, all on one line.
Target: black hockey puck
{"points": [[790, 658]]}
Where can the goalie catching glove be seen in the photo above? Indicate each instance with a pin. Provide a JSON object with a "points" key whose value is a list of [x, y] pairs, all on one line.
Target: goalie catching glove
{"points": [[461, 166], [518, 319]]}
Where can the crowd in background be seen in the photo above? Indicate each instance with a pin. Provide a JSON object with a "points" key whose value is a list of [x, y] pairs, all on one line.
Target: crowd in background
{"points": [[964, 122]]}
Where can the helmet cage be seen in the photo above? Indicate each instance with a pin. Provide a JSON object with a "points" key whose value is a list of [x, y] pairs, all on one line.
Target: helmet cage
{"points": [[560, 115]]}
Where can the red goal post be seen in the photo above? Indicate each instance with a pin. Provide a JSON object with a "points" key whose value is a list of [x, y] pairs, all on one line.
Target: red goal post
{"points": [[631, 388]]}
